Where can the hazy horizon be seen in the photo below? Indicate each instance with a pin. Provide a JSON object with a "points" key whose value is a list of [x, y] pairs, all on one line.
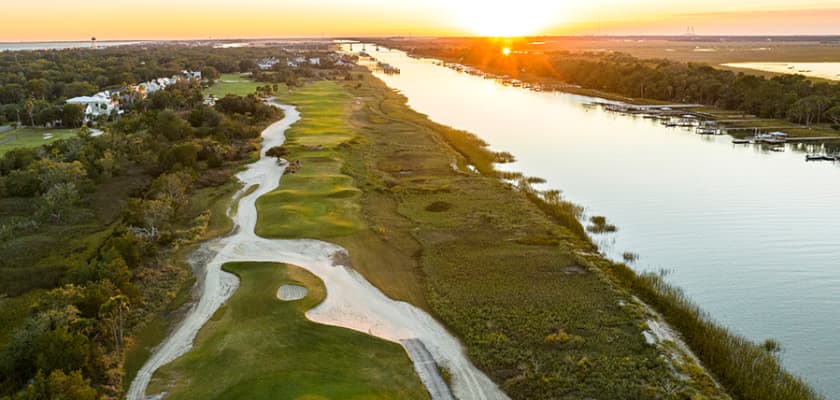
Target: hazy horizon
{"points": [[247, 19]]}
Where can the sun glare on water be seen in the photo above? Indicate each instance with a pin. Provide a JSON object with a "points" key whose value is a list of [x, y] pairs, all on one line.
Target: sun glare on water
{"points": [[507, 18]]}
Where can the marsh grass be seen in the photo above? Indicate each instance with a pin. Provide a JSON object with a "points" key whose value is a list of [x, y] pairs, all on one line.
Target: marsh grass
{"points": [[495, 267], [599, 225], [748, 370], [501, 341]]}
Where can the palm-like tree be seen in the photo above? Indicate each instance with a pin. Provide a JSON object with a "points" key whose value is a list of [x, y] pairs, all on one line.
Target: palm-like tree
{"points": [[115, 309]]}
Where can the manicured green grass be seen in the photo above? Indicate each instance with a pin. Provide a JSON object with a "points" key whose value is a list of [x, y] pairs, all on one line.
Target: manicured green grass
{"points": [[232, 84], [318, 201], [31, 137], [259, 347]]}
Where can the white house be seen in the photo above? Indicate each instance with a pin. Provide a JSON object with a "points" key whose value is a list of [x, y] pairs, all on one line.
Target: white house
{"points": [[96, 105], [194, 75], [267, 63], [315, 61], [104, 103]]}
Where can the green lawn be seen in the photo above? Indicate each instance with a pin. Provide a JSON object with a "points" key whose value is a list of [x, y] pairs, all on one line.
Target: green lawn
{"points": [[318, 201], [259, 347], [232, 84], [31, 137]]}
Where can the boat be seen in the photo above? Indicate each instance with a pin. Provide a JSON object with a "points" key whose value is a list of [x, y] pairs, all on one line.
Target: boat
{"points": [[741, 141], [778, 149], [706, 131], [771, 138], [822, 157]]}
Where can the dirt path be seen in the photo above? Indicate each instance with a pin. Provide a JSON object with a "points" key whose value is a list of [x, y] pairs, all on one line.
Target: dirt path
{"points": [[352, 302]]}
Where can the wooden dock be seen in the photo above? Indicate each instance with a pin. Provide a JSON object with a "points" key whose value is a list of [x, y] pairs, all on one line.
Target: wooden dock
{"points": [[759, 128], [813, 139]]}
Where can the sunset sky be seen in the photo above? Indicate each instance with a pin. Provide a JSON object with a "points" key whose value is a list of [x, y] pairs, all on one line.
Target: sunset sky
{"points": [[40, 20]]}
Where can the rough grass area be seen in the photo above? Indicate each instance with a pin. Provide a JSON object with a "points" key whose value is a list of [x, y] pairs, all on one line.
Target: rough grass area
{"points": [[13, 312], [260, 347], [31, 137], [232, 84], [38, 258], [318, 200], [466, 237], [149, 335]]}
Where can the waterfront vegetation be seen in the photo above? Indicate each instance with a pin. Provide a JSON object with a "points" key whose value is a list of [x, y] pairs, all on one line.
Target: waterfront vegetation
{"points": [[748, 370], [470, 290], [794, 98], [724, 353], [259, 347]]}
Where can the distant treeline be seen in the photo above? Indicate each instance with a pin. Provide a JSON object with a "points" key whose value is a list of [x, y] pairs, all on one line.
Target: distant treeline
{"points": [[791, 97], [34, 84]]}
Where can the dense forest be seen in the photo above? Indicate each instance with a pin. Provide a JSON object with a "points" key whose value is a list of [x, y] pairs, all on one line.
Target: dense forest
{"points": [[34, 84], [90, 226], [792, 97]]}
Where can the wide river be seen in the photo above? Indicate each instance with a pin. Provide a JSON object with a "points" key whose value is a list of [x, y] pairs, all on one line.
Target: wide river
{"points": [[753, 236]]}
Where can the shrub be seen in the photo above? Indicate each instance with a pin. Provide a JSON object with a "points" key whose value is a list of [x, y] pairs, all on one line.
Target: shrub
{"points": [[438, 206]]}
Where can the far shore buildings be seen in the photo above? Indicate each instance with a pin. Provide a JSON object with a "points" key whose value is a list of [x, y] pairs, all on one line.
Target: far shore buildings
{"points": [[107, 103], [267, 63]]}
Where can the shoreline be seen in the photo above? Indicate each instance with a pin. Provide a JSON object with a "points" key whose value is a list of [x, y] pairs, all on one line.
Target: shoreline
{"points": [[722, 356], [730, 118]]}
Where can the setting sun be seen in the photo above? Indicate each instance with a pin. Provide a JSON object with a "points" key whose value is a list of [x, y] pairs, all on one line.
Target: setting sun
{"points": [[507, 18]]}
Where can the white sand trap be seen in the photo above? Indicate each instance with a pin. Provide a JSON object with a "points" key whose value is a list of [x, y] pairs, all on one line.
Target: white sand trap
{"points": [[291, 292], [351, 302]]}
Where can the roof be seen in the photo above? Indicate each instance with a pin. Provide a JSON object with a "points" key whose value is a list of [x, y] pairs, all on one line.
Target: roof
{"points": [[87, 100]]}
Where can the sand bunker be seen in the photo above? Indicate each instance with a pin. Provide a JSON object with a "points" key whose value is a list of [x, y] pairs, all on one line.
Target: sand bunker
{"points": [[291, 292]]}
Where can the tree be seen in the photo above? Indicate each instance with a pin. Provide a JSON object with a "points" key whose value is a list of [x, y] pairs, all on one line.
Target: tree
{"points": [[209, 73], [173, 188], [833, 115], [149, 218], [182, 155], [169, 125], [50, 173], [59, 201], [72, 115], [61, 349], [59, 386], [39, 88], [809, 109], [114, 311], [29, 107], [247, 65]]}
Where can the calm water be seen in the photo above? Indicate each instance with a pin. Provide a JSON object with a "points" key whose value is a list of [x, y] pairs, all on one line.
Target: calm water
{"points": [[825, 70], [57, 45], [752, 236]]}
